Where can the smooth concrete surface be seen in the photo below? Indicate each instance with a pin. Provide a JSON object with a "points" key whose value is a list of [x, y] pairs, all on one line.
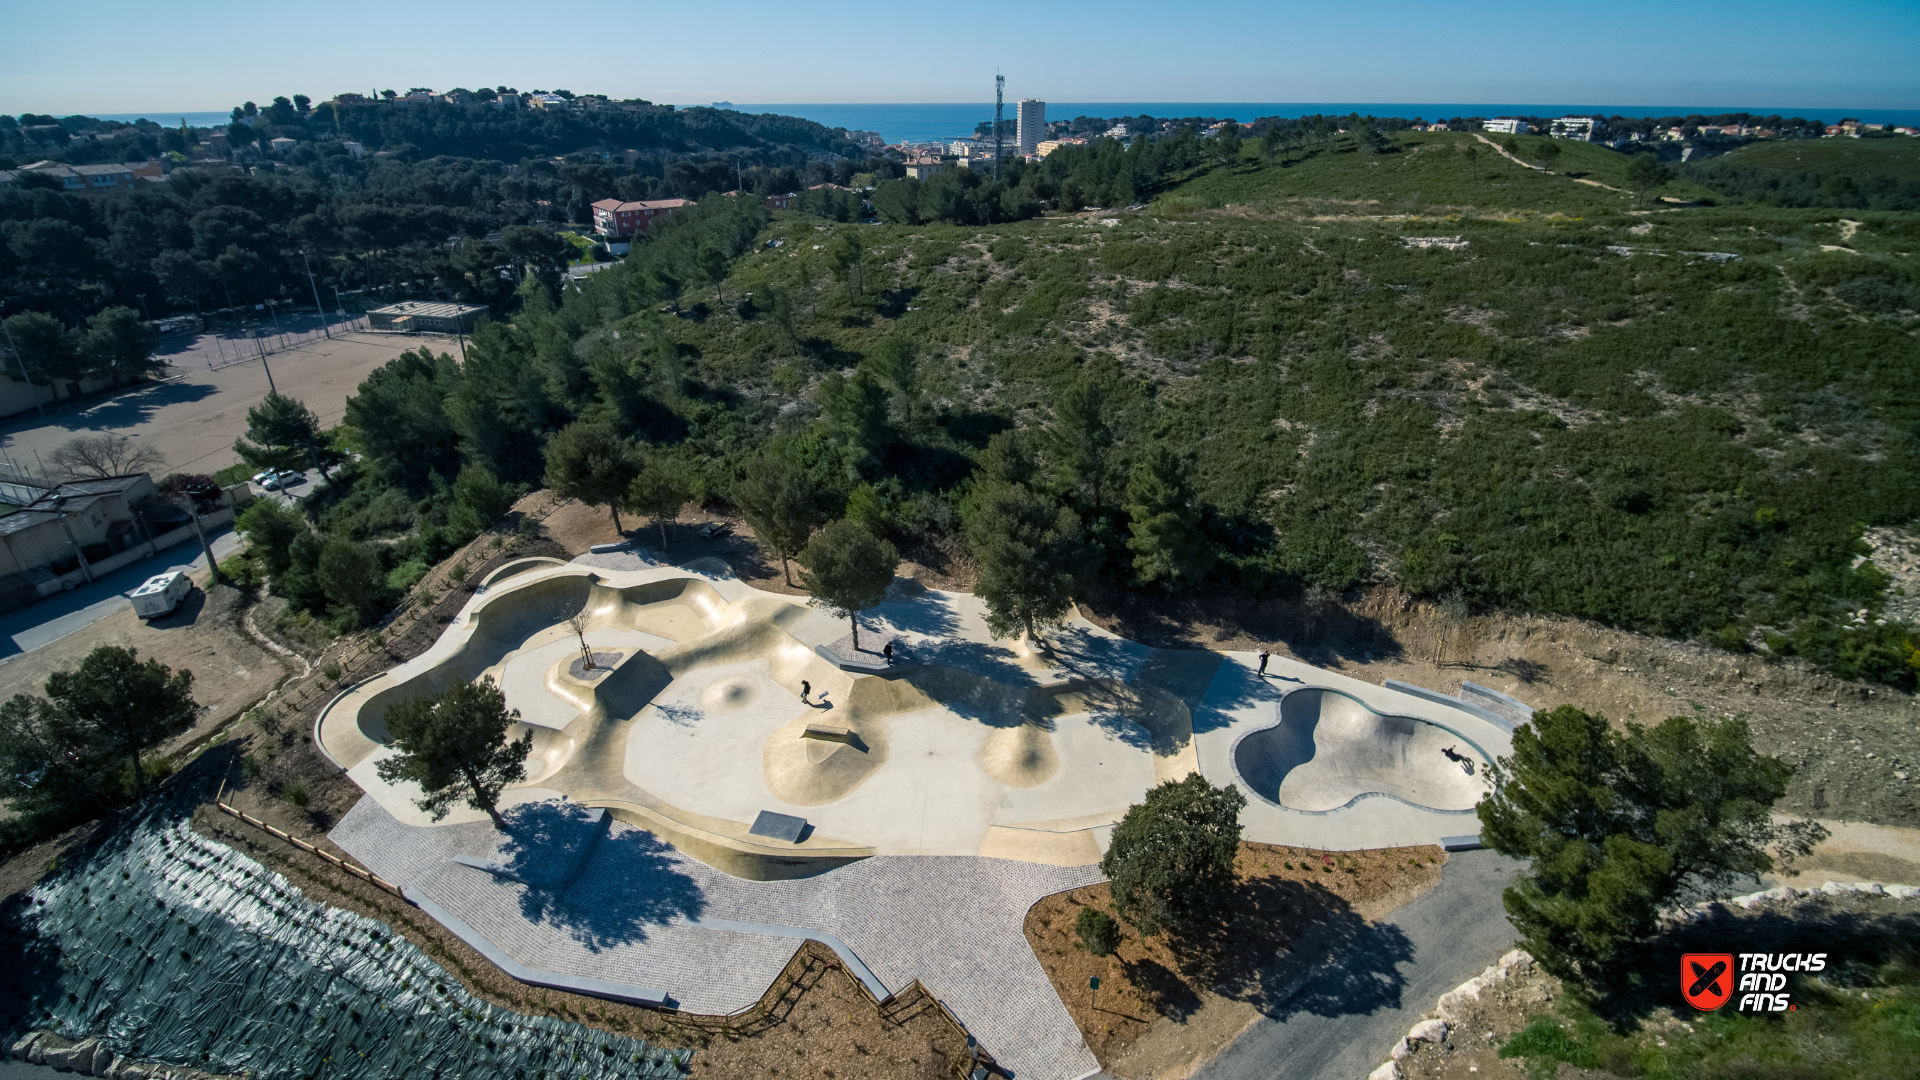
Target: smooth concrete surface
{"points": [[1240, 704], [1326, 749], [701, 723], [1342, 1022], [641, 913], [969, 745]]}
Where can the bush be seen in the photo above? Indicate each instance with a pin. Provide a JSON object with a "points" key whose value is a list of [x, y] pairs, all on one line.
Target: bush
{"points": [[330, 672], [1097, 931], [1171, 859], [297, 794], [406, 575]]}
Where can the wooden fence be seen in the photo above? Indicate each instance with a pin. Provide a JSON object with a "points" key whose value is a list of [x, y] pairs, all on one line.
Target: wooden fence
{"points": [[360, 872]]}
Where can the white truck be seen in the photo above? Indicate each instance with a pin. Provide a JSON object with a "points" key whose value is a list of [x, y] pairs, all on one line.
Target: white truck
{"points": [[161, 594]]}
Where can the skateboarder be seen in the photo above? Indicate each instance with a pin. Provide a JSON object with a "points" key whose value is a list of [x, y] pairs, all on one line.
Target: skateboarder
{"points": [[888, 653], [805, 689], [1263, 662]]}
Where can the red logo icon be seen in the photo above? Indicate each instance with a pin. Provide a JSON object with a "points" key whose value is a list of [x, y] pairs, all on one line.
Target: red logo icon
{"points": [[1706, 979]]}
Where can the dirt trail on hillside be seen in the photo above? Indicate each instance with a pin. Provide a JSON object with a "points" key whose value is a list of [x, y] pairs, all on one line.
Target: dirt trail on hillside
{"points": [[1502, 151]]}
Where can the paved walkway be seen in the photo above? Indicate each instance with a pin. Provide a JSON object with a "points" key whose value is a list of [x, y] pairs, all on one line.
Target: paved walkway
{"points": [[952, 922], [1341, 1024]]}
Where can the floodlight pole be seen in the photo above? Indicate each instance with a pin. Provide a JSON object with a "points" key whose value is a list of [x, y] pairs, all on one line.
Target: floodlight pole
{"points": [[316, 295]]}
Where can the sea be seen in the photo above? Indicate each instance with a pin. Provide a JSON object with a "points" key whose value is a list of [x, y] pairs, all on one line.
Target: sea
{"points": [[926, 121]]}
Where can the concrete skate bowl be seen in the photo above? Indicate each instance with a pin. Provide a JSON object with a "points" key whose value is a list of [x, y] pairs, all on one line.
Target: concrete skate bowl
{"points": [[522, 615], [1330, 750]]}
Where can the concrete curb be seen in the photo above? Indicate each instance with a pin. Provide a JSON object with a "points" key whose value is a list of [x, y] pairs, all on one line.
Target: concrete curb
{"points": [[1438, 698]]}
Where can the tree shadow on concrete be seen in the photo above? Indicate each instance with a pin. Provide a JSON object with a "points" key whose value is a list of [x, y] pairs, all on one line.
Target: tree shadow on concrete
{"points": [[1315, 627], [938, 639], [633, 880], [546, 843]]}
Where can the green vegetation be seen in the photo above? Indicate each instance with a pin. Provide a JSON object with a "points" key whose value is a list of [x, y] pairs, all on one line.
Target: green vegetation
{"points": [[1171, 860], [77, 751], [454, 745], [848, 571], [1620, 824], [1098, 931], [1547, 396], [1857, 1026], [1855, 174]]}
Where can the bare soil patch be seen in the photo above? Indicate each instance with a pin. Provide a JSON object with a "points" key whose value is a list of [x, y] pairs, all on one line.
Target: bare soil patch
{"points": [[1164, 1006], [1855, 747], [231, 671]]}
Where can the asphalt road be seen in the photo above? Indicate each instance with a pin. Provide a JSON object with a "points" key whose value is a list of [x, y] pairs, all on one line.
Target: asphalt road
{"points": [[48, 621], [1342, 1023]]}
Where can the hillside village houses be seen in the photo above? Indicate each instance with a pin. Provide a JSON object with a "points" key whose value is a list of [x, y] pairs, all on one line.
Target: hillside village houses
{"points": [[615, 220], [89, 179]]}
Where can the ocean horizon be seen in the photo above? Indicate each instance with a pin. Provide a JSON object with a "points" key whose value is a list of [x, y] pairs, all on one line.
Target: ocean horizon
{"points": [[922, 121]]}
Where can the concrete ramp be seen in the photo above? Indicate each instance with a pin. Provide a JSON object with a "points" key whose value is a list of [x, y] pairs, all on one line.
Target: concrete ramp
{"points": [[1329, 750]]}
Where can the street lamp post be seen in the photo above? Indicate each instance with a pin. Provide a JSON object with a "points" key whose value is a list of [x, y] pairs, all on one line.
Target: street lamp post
{"points": [[144, 307], [273, 310]]}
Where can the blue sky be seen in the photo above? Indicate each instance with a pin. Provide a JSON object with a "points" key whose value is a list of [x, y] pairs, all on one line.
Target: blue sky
{"points": [[118, 56]]}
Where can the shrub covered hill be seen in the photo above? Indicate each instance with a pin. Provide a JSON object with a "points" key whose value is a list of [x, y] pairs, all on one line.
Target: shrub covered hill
{"points": [[1319, 362]]}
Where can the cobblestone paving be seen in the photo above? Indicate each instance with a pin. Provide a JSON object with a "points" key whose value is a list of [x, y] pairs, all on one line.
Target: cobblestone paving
{"points": [[953, 922]]}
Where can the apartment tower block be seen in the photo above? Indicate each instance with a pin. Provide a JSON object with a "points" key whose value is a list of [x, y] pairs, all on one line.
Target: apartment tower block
{"points": [[1033, 126]]}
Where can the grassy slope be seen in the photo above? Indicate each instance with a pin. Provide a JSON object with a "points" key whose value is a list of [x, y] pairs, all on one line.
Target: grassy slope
{"points": [[1426, 174], [1652, 439], [1862, 159]]}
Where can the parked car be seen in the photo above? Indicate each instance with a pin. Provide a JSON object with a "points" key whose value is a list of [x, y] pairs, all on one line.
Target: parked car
{"points": [[282, 480], [161, 594]]}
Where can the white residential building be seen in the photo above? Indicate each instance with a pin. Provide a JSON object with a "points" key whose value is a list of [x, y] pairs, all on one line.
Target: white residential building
{"points": [[1585, 128], [1507, 125], [1032, 126]]}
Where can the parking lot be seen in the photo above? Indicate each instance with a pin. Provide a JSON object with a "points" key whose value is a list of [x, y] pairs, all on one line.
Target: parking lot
{"points": [[196, 412]]}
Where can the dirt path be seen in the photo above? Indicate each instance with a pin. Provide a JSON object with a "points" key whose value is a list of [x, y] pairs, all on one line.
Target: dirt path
{"points": [[1502, 151]]}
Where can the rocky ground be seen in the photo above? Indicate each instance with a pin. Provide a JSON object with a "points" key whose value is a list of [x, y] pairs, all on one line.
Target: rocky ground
{"points": [[1839, 1026]]}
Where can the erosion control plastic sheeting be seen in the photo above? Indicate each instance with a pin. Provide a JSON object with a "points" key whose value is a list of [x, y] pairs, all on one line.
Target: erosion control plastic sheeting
{"points": [[172, 948]]}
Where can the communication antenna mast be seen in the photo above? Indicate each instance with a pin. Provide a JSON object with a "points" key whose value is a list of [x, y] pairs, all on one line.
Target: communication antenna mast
{"points": [[999, 91]]}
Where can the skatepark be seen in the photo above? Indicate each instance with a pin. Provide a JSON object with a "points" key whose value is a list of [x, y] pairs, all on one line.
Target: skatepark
{"points": [[727, 775]]}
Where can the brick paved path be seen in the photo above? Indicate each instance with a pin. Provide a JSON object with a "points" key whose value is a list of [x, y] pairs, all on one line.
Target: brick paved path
{"points": [[953, 922]]}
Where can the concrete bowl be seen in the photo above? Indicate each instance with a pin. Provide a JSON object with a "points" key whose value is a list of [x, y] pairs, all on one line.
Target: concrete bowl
{"points": [[1329, 751]]}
